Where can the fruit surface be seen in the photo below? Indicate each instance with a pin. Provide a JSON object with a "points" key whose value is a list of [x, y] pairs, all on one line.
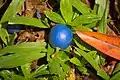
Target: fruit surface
{"points": [[60, 36]]}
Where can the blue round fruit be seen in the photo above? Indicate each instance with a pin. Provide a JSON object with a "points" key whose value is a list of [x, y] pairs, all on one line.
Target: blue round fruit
{"points": [[60, 36]]}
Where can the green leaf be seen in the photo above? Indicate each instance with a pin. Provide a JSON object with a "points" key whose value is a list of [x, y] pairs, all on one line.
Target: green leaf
{"points": [[41, 70], [95, 9], [20, 54], [65, 67], [89, 59], [102, 28], [54, 67], [63, 70], [116, 72], [27, 21], [66, 10], [81, 46], [50, 51], [80, 27], [93, 54], [82, 69], [11, 11], [117, 69], [23, 47], [93, 63], [26, 68], [98, 58], [75, 14], [80, 6], [102, 6], [17, 77], [42, 78], [62, 56], [12, 38], [75, 61], [92, 25], [53, 16], [46, 22], [55, 77], [7, 75], [115, 76], [85, 19], [4, 35]]}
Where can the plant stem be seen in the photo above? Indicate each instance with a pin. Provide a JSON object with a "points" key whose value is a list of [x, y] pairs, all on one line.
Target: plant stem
{"points": [[56, 51]]}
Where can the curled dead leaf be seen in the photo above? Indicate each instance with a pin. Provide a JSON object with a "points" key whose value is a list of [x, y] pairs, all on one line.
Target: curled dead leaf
{"points": [[108, 44]]}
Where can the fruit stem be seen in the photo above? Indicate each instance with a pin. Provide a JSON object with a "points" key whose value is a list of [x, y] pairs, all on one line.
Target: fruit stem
{"points": [[56, 51]]}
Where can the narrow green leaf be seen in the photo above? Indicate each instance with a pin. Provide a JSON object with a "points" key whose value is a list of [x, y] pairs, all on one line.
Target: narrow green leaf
{"points": [[62, 56], [7, 75], [92, 25], [23, 47], [41, 70], [20, 54], [101, 8], [46, 22], [117, 69], [66, 10], [85, 19], [75, 61], [26, 69], [81, 46], [11, 11], [116, 72], [95, 9], [80, 27], [27, 21], [4, 35], [89, 59], [55, 77], [98, 58], [93, 54], [12, 38], [116, 76], [80, 6], [17, 77], [102, 28], [18, 60], [53, 16], [65, 67], [94, 64], [75, 15], [82, 69], [54, 67], [50, 51]]}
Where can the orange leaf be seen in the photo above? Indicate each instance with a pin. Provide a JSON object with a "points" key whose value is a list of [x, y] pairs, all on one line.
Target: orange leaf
{"points": [[107, 44]]}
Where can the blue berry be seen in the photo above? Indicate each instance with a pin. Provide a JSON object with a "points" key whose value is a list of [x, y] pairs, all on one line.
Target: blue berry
{"points": [[60, 36]]}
